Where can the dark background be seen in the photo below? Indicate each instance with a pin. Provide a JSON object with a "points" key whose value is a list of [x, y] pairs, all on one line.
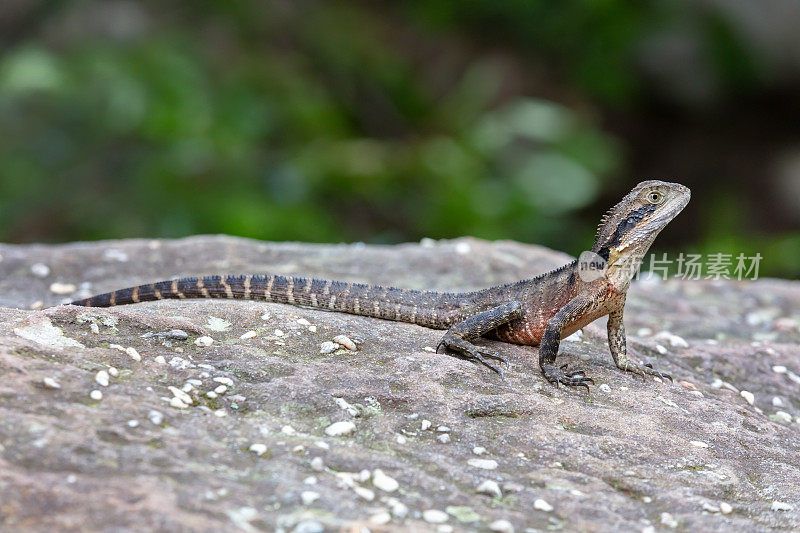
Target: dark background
{"points": [[391, 121]]}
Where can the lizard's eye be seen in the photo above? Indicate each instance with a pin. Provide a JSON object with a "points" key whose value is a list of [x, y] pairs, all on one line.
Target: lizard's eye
{"points": [[655, 197]]}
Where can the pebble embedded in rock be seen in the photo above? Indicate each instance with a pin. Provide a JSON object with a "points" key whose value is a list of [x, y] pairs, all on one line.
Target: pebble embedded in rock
{"points": [[278, 333], [434, 516], [182, 396], [364, 493], [381, 518], [345, 341], [288, 430], [40, 270], [444, 438], [177, 403], [317, 464], [133, 354], [204, 341], [426, 424], [779, 369], [698, 443], [50, 383], [782, 416], [340, 428], [62, 288], [479, 450], [328, 347], [725, 508], [668, 520], [258, 448], [211, 394], [303, 322], [177, 334], [113, 372], [308, 496], [309, 526], [160, 360], [443, 429], [501, 526], [486, 464], [155, 417], [748, 396], [248, 335], [96, 395], [542, 505], [222, 389], [604, 387], [781, 506], [489, 487], [384, 482], [101, 378]]}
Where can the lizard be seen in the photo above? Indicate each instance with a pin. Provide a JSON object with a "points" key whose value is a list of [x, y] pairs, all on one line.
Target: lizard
{"points": [[539, 311]]}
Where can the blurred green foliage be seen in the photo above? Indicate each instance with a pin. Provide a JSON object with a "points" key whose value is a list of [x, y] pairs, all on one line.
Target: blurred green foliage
{"points": [[328, 121]]}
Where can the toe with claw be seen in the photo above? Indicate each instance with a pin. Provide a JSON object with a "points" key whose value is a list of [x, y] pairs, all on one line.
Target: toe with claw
{"points": [[573, 378]]}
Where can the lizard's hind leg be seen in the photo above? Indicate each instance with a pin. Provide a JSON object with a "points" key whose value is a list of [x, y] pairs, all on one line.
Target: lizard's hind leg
{"points": [[457, 339]]}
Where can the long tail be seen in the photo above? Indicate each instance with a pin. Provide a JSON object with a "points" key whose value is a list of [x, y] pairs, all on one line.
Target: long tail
{"points": [[426, 308]]}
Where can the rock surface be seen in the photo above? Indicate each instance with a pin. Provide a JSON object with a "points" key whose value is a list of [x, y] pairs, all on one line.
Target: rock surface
{"points": [[231, 435]]}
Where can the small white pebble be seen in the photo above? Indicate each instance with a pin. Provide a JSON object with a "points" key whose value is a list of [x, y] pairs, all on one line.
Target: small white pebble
{"points": [[160, 360], [644, 332], [779, 369], [463, 248], [781, 506], [113, 372], [258, 448], [425, 424], [62, 288], [604, 387], [133, 354], [312, 329], [434, 516], [429, 349], [288, 430], [50, 383], [222, 389], [490, 488], [40, 270], [542, 505], [748, 396], [401, 439], [725, 508], [777, 402], [486, 464], [248, 335], [133, 423], [94, 328], [321, 444], [220, 413], [710, 508], [182, 396], [317, 464], [310, 480], [443, 429], [96, 395], [328, 347], [345, 341], [101, 378], [501, 526], [364, 493], [224, 381], [204, 341], [278, 333], [399, 509], [303, 322], [660, 349], [381, 518], [444, 438], [648, 529], [340, 428], [211, 394], [155, 417], [479, 450], [668, 520], [783, 416], [384, 482], [177, 403], [698, 443], [309, 496]]}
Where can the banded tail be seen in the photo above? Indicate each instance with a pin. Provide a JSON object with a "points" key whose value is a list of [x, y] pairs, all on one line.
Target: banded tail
{"points": [[432, 309]]}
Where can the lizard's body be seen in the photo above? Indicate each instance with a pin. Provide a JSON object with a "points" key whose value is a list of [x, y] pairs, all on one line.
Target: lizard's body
{"points": [[537, 312]]}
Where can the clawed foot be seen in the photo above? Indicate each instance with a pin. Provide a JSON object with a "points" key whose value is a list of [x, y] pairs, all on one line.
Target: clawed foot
{"points": [[645, 370], [463, 349], [574, 378]]}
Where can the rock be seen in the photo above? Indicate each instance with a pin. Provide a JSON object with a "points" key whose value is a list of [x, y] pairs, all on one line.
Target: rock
{"points": [[96, 395], [93, 466], [781, 506], [50, 383], [501, 526], [309, 496], [384, 482], [748, 396], [338, 429], [486, 464], [490, 488], [258, 448], [434, 516], [204, 341], [542, 505]]}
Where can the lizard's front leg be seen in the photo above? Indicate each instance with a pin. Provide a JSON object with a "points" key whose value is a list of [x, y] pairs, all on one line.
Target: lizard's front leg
{"points": [[618, 347], [551, 340], [457, 339]]}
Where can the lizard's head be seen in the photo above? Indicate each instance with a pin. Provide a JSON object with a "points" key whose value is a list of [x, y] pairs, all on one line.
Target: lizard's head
{"points": [[630, 227]]}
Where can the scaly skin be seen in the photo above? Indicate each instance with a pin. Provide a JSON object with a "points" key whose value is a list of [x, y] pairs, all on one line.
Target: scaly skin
{"points": [[537, 312]]}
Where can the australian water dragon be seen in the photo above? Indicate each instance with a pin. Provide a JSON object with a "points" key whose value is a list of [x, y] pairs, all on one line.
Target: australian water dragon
{"points": [[537, 311]]}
